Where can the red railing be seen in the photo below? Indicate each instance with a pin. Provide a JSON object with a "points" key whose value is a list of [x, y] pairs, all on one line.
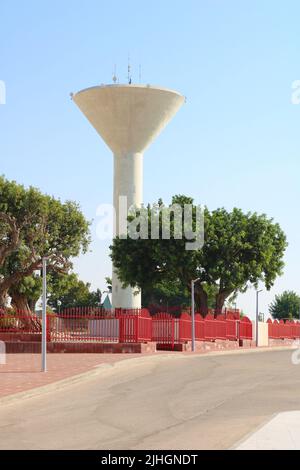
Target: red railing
{"points": [[135, 328], [90, 324], [199, 327], [94, 325], [232, 330], [288, 329], [19, 321], [164, 329], [245, 328], [169, 330], [83, 324], [184, 328], [79, 325], [295, 329]]}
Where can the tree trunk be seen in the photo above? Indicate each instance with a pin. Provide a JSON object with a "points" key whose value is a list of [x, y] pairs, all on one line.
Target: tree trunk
{"points": [[27, 317], [32, 304], [3, 299], [220, 300], [7, 283], [201, 300], [20, 303]]}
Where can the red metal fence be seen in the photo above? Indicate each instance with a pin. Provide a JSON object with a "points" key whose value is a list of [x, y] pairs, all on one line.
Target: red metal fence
{"points": [[169, 330], [79, 325], [125, 326], [135, 326], [19, 322], [245, 328], [99, 325], [288, 329]]}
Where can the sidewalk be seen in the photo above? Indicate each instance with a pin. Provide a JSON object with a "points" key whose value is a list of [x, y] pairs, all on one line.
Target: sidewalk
{"points": [[280, 433], [22, 372]]}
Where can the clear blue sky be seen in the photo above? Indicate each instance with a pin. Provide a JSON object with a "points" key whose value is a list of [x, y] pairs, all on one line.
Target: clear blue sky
{"points": [[235, 142]]}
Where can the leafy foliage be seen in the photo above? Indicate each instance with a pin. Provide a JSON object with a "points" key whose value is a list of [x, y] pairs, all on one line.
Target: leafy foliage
{"points": [[66, 290], [26, 293], [239, 250], [173, 293], [33, 226], [286, 305]]}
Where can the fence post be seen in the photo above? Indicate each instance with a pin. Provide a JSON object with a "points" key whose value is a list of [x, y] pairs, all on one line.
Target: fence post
{"points": [[121, 329], [137, 328], [237, 322], [48, 321], [173, 332]]}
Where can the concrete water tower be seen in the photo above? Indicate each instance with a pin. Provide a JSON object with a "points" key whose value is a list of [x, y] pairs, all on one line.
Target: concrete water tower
{"points": [[128, 118]]}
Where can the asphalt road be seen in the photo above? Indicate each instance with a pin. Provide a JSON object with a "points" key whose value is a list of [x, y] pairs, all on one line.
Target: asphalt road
{"points": [[202, 402]]}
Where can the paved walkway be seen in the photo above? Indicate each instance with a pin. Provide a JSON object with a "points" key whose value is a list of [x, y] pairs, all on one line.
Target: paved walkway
{"points": [[23, 371], [281, 433]]}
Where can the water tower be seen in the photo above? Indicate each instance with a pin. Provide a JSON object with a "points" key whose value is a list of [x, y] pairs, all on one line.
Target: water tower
{"points": [[128, 118]]}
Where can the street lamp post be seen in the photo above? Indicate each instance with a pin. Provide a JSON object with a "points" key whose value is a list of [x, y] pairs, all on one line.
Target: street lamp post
{"points": [[256, 329], [193, 282], [44, 317]]}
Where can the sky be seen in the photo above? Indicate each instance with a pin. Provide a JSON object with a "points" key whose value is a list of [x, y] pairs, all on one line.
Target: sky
{"points": [[235, 143]]}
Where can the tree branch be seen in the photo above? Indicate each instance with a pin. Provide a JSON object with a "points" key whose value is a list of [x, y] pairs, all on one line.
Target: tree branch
{"points": [[7, 249]]}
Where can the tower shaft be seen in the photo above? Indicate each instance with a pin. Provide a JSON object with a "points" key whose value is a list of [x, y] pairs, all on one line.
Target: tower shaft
{"points": [[128, 191]]}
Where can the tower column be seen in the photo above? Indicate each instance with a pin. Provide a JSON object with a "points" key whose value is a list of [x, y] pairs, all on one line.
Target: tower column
{"points": [[128, 191]]}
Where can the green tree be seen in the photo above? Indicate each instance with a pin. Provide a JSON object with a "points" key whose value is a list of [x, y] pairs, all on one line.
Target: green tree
{"points": [[33, 226], [25, 294], [166, 293], [239, 250], [173, 293], [67, 290], [286, 305]]}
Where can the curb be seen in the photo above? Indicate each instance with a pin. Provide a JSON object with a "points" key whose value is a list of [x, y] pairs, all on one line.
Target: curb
{"points": [[124, 363]]}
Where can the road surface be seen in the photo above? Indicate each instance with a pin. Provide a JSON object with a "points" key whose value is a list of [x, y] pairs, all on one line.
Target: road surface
{"points": [[160, 402]]}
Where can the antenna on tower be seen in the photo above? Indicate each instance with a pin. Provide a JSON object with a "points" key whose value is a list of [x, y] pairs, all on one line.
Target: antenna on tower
{"points": [[115, 75], [129, 71]]}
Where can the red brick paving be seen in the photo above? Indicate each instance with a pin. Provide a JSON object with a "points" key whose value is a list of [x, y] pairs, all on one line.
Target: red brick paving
{"points": [[23, 371]]}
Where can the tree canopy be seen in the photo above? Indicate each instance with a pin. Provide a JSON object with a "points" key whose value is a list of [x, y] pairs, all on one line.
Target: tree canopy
{"points": [[67, 290], [32, 226], [173, 295], [239, 249], [286, 305]]}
